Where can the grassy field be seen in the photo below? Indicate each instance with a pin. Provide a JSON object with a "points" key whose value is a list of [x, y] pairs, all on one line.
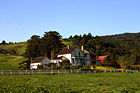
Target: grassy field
{"points": [[18, 47], [10, 62], [72, 83]]}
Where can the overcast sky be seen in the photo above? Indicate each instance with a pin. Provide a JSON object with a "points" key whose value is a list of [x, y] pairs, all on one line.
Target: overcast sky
{"points": [[20, 19]]}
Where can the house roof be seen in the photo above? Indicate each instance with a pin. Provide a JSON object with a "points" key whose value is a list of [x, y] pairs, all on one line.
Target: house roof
{"points": [[86, 52], [38, 59], [66, 50], [101, 58], [61, 58]]}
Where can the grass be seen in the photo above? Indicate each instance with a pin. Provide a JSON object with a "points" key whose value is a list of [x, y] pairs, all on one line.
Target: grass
{"points": [[72, 83], [18, 47], [10, 62]]}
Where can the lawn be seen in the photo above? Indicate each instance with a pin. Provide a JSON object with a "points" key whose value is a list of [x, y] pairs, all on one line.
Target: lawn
{"points": [[10, 62], [72, 83]]}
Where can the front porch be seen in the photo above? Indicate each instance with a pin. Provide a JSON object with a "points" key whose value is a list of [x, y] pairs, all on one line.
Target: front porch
{"points": [[78, 60]]}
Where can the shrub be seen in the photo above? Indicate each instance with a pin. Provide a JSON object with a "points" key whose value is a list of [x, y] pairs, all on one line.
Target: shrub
{"points": [[111, 65], [49, 64], [40, 66]]}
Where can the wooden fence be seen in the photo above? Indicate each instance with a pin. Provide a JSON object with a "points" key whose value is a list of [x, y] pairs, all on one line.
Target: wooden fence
{"points": [[53, 72]]}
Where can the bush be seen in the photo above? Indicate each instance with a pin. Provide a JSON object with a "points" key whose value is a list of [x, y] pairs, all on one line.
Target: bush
{"points": [[40, 66], [53, 65], [66, 66], [49, 64], [133, 67], [111, 65], [77, 67]]}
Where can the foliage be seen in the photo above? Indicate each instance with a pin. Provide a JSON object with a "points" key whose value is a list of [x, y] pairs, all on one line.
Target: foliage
{"points": [[77, 66], [47, 45], [63, 83], [133, 67], [53, 65], [111, 65], [25, 64], [40, 66], [122, 48], [3, 42]]}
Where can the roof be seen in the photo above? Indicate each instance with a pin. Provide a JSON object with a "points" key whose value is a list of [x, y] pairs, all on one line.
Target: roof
{"points": [[38, 59], [101, 58], [66, 50], [86, 52], [61, 58]]}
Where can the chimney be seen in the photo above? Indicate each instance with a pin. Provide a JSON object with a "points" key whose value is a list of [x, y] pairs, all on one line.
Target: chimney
{"points": [[68, 46], [82, 48]]}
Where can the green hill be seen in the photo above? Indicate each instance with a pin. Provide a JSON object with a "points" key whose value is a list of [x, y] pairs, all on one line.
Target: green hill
{"points": [[15, 49], [10, 62]]}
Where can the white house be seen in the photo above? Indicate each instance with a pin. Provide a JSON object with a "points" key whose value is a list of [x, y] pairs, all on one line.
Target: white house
{"points": [[39, 61], [74, 54]]}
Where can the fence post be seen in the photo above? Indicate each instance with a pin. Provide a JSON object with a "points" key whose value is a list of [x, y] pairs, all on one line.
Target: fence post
{"points": [[10, 72], [71, 71], [2, 72], [58, 71], [26, 72], [89, 71], [20, 72], [51, 72], [77, 71], [32, 72]]}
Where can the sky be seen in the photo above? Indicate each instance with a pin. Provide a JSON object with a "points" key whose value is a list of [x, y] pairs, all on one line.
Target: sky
{"points": [[20, 19]]}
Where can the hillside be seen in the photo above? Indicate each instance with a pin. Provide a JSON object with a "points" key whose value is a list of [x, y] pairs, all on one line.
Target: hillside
{"points": [[10, 62], [135, 37], [15, 49]]}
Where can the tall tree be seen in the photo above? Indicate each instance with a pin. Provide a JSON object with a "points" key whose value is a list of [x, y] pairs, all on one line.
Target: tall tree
{"points": [[51, 41], [33, 47], [3, 42]]}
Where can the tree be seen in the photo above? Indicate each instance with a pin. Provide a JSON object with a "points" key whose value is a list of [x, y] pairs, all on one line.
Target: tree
{"points": [[33, 47], [3, 42], [48, 45], [51, 42]]}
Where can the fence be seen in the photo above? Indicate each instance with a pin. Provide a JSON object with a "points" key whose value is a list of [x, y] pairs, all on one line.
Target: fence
{"points": [[53, 72]]}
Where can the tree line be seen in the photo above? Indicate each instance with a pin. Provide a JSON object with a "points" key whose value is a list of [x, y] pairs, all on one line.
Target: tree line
{"points": [[122, 48]]}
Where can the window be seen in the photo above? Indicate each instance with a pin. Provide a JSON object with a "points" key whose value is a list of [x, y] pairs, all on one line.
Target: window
{"points": [[79, 53]]}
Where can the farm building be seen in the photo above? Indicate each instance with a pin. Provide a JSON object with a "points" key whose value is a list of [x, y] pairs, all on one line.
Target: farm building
{"points": [[39, 61], [75, 55]]}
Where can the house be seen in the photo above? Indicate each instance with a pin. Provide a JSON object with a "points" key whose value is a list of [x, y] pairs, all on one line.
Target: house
{"points": [[75, 55], [39, 61]]}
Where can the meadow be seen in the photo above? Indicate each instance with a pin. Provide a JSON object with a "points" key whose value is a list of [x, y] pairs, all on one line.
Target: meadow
{"points": [[10, 62], [72, 83]]}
